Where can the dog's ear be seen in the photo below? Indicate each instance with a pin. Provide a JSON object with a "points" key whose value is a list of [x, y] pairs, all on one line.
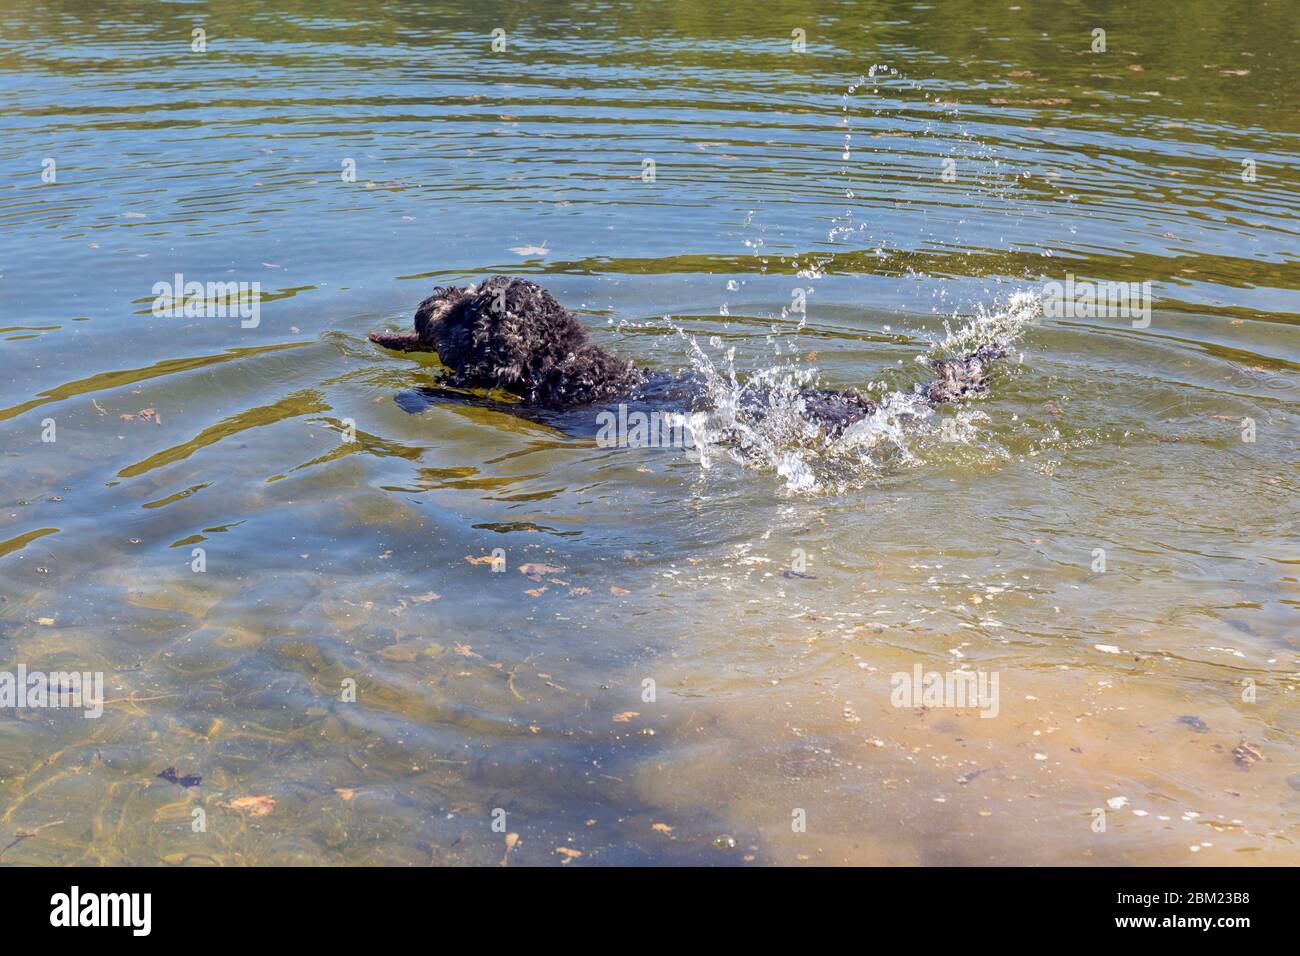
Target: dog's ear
{"points": [[442, 307], [511, 333], [519, 332]]}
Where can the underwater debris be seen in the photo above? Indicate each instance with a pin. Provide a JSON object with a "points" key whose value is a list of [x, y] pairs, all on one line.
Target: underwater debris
{"points": [[189, 780]]}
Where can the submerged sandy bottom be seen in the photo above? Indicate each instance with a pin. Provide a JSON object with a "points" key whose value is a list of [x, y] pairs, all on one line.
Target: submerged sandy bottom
{"points": [[1145, 713]]}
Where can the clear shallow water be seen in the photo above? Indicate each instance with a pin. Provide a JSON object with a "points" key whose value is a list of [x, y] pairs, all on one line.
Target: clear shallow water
{"points": [[329, 562]]}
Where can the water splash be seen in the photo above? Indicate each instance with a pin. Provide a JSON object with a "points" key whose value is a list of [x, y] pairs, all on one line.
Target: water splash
{"points": [[777, 434], [1000, 327]]}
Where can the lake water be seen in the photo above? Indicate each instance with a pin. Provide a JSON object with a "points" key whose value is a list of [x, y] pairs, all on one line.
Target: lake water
{"points": [[696, 664]]}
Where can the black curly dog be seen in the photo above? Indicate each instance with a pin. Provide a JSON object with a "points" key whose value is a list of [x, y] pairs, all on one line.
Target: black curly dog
{"points": [[511, 334]]}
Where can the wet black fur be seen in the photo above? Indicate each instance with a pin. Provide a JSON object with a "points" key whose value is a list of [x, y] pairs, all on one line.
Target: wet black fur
{"points": [[511, 334]]}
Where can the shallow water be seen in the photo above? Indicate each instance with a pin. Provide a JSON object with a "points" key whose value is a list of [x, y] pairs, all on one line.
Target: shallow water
{"points": [[769, 596]]}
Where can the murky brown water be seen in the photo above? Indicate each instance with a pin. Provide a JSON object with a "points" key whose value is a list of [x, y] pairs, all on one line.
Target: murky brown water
{"points": [[769, 599]]}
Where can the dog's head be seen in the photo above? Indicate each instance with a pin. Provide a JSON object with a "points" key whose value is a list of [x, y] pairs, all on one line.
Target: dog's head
{"points": [[505, 333]]}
